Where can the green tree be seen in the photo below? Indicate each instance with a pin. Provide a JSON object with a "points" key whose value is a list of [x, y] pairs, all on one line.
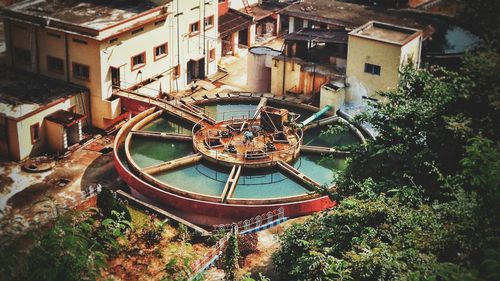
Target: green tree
{"points": [[231, 258]]}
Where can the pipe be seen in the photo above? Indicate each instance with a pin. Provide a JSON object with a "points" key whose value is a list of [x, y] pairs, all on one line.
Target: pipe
{"points": [[316, 115]]}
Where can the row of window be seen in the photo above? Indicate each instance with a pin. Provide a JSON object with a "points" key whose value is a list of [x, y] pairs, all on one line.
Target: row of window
{"points": [[194, 28], [139, 61], [80, 71]]}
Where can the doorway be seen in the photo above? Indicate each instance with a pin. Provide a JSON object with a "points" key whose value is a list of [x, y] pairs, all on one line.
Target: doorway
{"points": [[195, 70], [115, 77], [243, 37]]}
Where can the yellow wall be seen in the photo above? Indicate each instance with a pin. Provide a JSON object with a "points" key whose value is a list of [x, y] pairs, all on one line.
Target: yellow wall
{"points": [[292, 79], [20, 145], [387, 56]]}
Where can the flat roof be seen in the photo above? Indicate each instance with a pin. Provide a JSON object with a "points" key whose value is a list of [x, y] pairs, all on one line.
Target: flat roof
{"points": [[22, 93], [352, 16], [65, 118], [385, 32], [319, 35], [93, 14]]}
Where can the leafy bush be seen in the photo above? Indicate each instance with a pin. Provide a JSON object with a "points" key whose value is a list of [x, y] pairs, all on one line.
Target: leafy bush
{"points": [[108, 202], [152, 231]]}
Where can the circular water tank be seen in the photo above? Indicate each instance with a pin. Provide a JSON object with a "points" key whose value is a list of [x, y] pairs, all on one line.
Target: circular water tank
{"points": [[259, 63]]}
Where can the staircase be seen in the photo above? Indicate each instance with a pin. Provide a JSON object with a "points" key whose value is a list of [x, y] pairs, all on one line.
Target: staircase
{"points": [[248, 10]]}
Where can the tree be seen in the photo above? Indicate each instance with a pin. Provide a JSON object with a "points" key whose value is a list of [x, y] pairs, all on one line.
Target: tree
{"points": [[231, 257]]}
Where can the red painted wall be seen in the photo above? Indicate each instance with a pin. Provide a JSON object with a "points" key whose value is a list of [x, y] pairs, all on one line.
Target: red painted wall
{"points": [[223, 7], [225, 212]]}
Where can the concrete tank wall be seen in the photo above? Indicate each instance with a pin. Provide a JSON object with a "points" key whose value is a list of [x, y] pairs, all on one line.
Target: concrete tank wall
{"points": [[259, 62]]}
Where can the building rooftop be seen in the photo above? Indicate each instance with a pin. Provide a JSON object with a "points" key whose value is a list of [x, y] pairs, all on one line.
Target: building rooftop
{"points": [[65, 118], [233, 21], [93, 14], [22, 93], [319, 35], [353, 15], [386, 32]]}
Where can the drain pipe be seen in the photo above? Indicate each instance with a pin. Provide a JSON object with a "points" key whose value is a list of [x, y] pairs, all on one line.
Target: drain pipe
{"points": [[347, 117]]}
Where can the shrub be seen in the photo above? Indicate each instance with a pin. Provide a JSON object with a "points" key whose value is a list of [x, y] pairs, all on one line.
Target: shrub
{"points": [[108, 202]]}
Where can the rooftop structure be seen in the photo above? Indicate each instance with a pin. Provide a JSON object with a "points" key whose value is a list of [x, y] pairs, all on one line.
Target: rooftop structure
{"points": [[90, 17], [385, 32], [351, 16], [23, 93]]}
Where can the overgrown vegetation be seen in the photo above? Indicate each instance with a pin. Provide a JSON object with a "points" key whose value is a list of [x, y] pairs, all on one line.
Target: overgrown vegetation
{"points": [[421, 201]]}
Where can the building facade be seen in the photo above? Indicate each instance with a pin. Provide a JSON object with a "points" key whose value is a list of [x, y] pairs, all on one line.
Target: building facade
{"points": [[154, 45]]}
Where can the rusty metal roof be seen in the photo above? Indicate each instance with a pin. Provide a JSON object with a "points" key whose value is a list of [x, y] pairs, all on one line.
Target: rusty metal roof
{"points": [[233, 21]]}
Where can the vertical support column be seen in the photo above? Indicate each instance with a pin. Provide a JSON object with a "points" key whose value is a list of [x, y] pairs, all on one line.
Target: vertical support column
{"points": [[291, 25], [277, 28], [306, 22], [251, 35], [235, 40]]}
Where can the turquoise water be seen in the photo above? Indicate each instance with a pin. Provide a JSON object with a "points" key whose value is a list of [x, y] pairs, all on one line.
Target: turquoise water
{"points": [[319, 168], [194, 178], [226, 111], [208, 179], [315, 138], [265, 184], [149, 151], [165, 124]]}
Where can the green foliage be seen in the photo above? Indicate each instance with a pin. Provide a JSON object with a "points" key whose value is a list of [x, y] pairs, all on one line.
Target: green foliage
{"points": [[231, 258], [183, 232], [74, 248], [378, 239], [152, 231], [107, 202], [421, 201], [177, 271]]}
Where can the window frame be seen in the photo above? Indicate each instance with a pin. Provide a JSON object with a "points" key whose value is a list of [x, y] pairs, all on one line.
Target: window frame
{"points": [[35, 128], [371, 68], [158, 57], [210, 53], [207, 27], [62, 71], [194, 33], [176, 71], [138, 66], [73, 67]]}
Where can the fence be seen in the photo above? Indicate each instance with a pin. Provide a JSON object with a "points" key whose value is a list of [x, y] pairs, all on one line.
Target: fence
{"points": [[252, 225]]}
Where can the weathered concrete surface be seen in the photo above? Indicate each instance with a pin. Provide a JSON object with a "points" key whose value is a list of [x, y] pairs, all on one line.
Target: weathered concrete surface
{"points": [[21, 190]]}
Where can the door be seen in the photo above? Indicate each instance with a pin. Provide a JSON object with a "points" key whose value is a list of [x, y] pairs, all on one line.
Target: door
{"points": [[195, 70], [115, 77]]}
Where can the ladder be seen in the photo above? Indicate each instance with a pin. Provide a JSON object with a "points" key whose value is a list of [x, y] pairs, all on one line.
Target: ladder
{"points": [[248, 10]]}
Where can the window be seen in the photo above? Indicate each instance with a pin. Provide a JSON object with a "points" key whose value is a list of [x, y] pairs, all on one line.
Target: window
{"points": [[138, 61], [35, 132], [113, 40], [194, 28], [55, 64], [211, 55], [161, 51], [137, 30], [209, 22], [80, 41], [177, 71], [160, 22], [55, 35], [23, 56], [81, 71], [372, 69]]}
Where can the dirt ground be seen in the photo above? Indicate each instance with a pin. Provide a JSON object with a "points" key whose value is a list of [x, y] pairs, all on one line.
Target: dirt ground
{"points": [[63, 184]]}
